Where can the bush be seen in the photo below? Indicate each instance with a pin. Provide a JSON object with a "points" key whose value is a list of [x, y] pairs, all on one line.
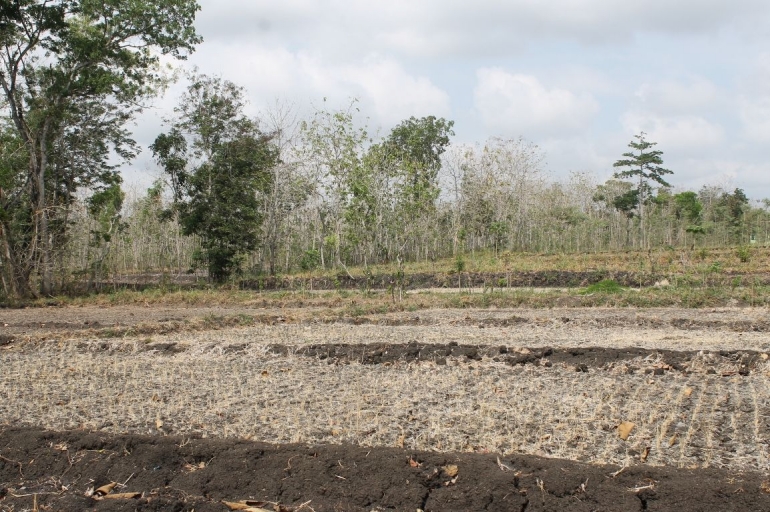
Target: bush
{"points": [[310, 260], [605, 286], [744, 254]]}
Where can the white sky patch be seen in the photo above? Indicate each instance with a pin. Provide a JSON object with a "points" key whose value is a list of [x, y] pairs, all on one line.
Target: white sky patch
{"points": [[395, 94], [387, 91], [755, 115], [579, 78], [518, 104], [449, 28], [677, 133], [675, 97]]}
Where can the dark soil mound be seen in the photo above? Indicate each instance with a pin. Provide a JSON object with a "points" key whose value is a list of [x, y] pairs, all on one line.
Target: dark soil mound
{"points": [[582, 359], [59, 470]]}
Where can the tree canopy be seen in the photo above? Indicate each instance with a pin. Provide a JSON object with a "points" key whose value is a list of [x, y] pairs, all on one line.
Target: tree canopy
{"points": [[73, 73], [220, 165]]}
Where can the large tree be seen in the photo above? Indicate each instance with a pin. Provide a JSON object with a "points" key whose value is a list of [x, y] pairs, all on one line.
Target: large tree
{"points": [[221, 167], [73, 73], [644, 165]]}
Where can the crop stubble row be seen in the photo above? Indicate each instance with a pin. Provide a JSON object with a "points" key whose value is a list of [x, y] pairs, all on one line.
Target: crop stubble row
{"points": [[227, 383]]}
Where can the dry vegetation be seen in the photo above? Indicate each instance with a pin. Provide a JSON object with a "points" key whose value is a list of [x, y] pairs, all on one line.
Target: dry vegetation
{"points": [[229, 383]]}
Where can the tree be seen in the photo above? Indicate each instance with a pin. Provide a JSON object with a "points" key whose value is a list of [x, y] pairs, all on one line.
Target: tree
{"points": [[335, 148], [221, 166], [75, 71], [688, 207], [416, 146], [644, 165]]}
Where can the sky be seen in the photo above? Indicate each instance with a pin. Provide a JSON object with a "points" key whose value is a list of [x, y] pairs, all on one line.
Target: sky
{"points": [[579, 78]]}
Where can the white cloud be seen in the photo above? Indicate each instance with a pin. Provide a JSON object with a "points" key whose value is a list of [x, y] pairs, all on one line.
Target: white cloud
{"points": [[451, 28], [669, 96], [395, 94], [675, 133], [518, 104], [755, 115], [387, 91]]}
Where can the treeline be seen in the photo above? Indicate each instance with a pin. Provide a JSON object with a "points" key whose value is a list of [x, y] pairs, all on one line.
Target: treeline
{"points": [[331, 197], [277, 194]]}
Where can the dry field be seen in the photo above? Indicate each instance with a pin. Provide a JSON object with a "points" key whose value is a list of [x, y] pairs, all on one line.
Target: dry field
{"points": [[518, 388]]}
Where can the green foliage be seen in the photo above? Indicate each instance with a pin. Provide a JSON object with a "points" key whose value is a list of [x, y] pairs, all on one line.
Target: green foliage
{"points": [[643, 163], [415, 146], [104, 206], [688, 207], [735, 204], [604, 286], [218, 197], [459, 263], [627, 203], [744, 253], [311, 259], [74, 73]]}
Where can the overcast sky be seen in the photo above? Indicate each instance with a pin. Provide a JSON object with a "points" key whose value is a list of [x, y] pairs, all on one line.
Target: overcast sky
{"points": [[577, 77]]}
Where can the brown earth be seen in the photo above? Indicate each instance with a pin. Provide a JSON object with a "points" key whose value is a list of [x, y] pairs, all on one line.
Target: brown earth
{"points": [[41, 470], [304, 411]]}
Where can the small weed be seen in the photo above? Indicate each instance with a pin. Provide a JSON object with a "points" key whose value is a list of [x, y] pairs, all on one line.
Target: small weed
{"points": [[701, 254], [744, 254]]}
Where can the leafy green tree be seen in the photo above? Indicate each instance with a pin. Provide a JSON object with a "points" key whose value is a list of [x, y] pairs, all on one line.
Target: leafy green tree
{"points": [[644, 165], [627, 203], [416, 146], [221, 166], [688, 207], [76, 71]]}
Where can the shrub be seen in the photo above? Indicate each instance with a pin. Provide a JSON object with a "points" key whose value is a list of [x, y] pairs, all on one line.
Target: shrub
{"points": [[744, 254], [605, 286]]}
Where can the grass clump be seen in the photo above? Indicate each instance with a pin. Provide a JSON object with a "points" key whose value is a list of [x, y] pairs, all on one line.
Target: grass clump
{"points": [[604, 286]]}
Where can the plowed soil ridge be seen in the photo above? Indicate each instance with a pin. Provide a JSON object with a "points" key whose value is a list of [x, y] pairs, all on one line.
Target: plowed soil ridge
{"points": [[58, 470], [650, 361]]}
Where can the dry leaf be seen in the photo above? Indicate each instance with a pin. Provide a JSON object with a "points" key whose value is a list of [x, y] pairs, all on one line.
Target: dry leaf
{"points": [[246, 505], [159, 423], [502, 466], [123, 496], [450, 470], [688, 392], [765, 486], [672, 441], [265, 373], [105, 489], [764, 356], [624, 429], [414, 463], [645, 454]]}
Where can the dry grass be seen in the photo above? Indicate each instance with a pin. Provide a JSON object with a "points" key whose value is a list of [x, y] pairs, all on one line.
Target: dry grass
{"points": [[354, 302], [228, 384], [663, 260]]}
